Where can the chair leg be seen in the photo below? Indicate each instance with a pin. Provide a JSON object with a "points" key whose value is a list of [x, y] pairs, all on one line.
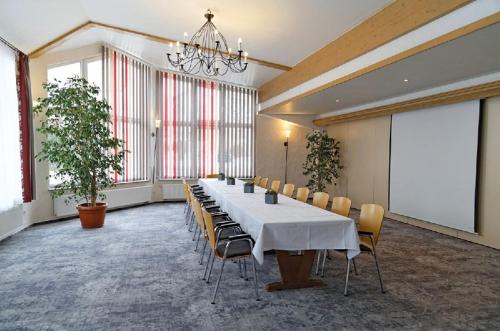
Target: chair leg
{"points": [[239, 268], [191, 221], [197, 240], [208, 264], [354, 264], [195, 231], [325, 253], [255, 279], [347, 276], [319, 260], [203, 253], [378, 270], [218, 280], [245, 268], [211, 267]]}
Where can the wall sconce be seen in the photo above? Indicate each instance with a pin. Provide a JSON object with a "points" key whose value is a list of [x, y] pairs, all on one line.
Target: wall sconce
{"points": [[287, 135], [157, 123]]}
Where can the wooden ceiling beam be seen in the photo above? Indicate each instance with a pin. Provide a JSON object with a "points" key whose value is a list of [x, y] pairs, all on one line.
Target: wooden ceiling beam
{"points": [[395, 20], [164, 40], [480, 91]]}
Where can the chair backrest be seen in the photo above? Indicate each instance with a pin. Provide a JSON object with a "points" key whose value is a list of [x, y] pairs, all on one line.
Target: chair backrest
{"points": [[320, 199], [213, 176], [198, 214], [263, 182], [275, 186], [371, 219], [288, 190], [302, 194], [186, 192], [256, 181], [209, 225], [341, 206]]}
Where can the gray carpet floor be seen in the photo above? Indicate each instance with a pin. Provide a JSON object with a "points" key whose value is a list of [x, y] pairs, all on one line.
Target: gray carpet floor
{"points": [[139, 272]]}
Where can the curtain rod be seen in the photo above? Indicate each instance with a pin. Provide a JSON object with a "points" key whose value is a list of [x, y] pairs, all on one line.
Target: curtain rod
{"points": [[14, 48]]}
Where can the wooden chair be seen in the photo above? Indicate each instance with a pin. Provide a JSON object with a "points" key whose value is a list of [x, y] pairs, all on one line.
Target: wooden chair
{"points": [[275, 186], [370, 223], [235, 247], [302, 194], [288, 190], [256, 180], [340, 206], [263, 182], [320, 199], [213, 176]]}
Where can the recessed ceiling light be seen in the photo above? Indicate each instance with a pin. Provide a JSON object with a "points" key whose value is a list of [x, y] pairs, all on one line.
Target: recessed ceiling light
{"points": [[405, 80], [337, 100]]}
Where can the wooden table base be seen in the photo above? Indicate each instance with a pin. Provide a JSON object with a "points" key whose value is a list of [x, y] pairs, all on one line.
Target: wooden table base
{"points": [[295, 271]]}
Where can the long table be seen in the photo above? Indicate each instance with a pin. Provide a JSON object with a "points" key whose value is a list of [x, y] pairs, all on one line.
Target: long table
{"points": [[286, 227]]}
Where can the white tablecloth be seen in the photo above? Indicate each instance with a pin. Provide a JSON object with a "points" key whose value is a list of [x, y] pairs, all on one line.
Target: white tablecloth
{"points": [[289, 225]]}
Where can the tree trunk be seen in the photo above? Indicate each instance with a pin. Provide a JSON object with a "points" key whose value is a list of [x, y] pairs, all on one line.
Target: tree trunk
{"points": [[93, 191]]}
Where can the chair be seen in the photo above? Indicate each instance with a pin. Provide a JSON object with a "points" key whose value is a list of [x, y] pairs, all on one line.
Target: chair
{"points": [[235, 247], [263, 182], [320, 199], [302, 194], [369, 227], [340, 206], [256, 180], [213, 176], [288, 190], [275, 186]]}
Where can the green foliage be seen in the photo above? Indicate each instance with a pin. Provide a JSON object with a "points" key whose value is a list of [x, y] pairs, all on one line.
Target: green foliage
{"points": [[78, 139], [322, 163]]}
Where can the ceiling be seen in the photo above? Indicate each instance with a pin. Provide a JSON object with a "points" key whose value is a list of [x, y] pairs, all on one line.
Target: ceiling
{"points": [[279, 31], [469, 56]]}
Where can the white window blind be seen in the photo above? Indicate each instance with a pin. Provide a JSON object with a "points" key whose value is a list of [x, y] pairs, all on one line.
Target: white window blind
{"points": [[10, 153], [206, 127], [127, 87]]}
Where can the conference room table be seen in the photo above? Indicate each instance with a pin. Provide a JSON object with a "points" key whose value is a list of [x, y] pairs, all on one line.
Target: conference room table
{"points": [[293, 229]]}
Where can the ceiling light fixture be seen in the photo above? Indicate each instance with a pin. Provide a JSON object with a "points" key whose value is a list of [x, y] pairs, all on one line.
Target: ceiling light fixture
{"points": [[405, 80], [208, 52]]}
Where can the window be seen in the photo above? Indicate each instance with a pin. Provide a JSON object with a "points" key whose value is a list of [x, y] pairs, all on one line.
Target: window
{"points": [[91, 69], [127, 86], [206, 127], [11, 175]]}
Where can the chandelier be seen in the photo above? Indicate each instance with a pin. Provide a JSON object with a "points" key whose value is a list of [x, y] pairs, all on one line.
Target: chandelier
{"points": [[207, 52]]}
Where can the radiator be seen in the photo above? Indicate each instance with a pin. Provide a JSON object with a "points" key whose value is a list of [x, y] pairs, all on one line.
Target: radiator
{"points": [[115, 198], [173, 192]]}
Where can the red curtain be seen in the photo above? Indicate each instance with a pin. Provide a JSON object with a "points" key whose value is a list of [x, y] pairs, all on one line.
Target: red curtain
{"points": [[25, 125]]}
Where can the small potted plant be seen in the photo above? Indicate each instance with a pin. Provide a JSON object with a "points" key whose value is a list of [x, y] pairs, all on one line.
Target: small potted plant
{"points": [[271, 197], [221, 176], [248, 187], [230, 181], [79, 145]]}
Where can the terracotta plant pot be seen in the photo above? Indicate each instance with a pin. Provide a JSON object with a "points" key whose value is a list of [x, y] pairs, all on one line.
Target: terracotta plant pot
{"points": [[92, 217]]}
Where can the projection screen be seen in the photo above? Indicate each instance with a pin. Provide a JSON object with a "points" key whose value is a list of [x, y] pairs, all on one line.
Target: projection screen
{"points": [[433, 164]]}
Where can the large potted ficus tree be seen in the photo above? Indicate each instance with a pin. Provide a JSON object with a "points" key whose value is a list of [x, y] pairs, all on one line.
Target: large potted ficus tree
{"points": [[322, 163], [79, 145]]}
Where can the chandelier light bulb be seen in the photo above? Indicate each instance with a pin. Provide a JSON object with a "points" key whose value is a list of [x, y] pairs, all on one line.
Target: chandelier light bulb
{"points": [[239, 43], [246, 56], [229, 51], [171, 44]]}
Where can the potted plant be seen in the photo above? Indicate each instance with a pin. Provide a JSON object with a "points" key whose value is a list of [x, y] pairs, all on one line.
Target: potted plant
{"points": [[230, 181], [221, 176], [322, 163], [271, 197], [79, 145], [248, 187]]}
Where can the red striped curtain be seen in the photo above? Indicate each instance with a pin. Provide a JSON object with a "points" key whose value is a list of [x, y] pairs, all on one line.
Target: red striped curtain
{"points": [[206, 127], [127, 88], [25, 126]]}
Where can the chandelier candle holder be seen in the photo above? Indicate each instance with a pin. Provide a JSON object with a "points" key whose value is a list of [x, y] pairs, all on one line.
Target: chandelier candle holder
{"points": [[207, 52]]}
